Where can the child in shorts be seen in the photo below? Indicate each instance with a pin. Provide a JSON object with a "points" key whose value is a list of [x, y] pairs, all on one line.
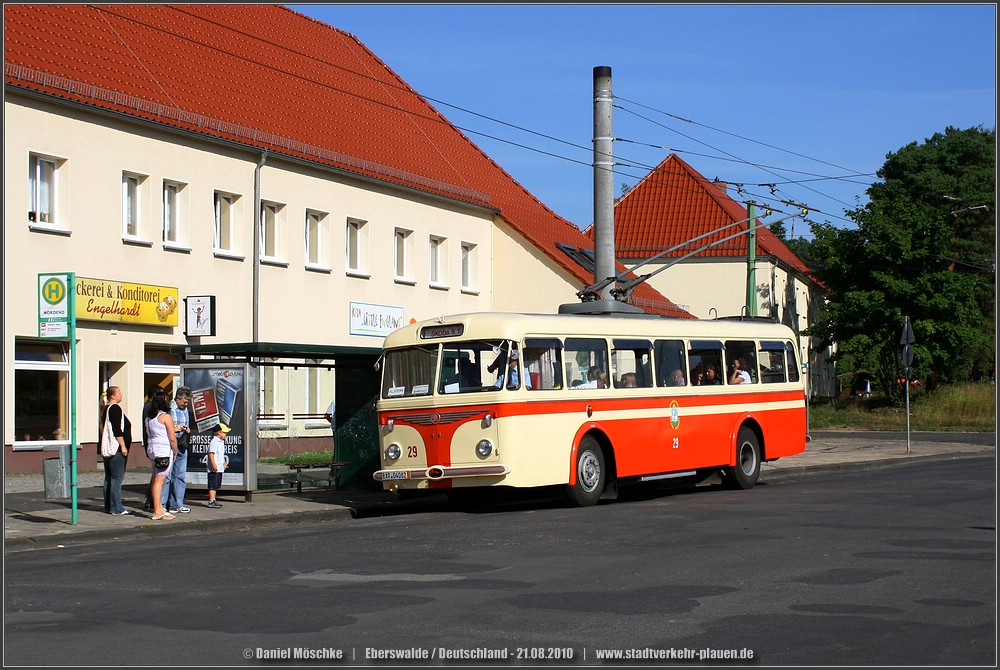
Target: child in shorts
{"points": [[217, 462]]}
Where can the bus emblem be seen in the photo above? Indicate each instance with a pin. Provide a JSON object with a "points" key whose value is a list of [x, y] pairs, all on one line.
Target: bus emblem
{"points": [[675, 417], [435, 418]]}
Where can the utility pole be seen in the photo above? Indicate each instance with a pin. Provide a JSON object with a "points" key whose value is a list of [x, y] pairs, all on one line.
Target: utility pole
{"points": [[604, 182], [752, 260]]}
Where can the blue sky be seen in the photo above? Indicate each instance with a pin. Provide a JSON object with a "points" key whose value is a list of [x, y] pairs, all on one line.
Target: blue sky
{"points": [[804, 97]]}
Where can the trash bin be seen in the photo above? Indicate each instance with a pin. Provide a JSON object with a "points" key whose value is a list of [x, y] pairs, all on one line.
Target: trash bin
{"points": [[56, 472]]}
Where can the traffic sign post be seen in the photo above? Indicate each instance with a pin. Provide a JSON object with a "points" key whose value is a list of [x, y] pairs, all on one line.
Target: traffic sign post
{"points": [[907, 339], [57, 320]]}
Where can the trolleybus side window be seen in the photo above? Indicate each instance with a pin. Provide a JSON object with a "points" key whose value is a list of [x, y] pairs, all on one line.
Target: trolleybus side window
{"points": [[772, 362], [630, 363], [586, 363], [670, 361], [409, 372], [793, 366], [468, 367], [542, 363], [741, 354], [705, 357]]}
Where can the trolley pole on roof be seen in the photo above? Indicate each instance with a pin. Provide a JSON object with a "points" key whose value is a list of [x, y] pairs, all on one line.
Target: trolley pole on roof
{"points": [[604, 181]]}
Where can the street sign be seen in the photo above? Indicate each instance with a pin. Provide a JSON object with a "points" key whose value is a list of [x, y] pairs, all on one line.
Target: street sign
{"points": [[54, 302], [907, 336]]}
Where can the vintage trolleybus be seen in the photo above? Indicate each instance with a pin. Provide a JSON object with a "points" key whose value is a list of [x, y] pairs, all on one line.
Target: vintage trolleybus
{"points": [[584, 402]]}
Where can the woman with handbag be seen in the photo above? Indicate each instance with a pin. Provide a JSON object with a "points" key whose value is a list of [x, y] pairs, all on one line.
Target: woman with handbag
{"points": [[120, 428], [161, 447]]}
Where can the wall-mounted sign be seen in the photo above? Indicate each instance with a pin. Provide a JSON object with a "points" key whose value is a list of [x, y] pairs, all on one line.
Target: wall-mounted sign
{"points": [[108, 300], [199, 315], [54, 304], [375, 320]]}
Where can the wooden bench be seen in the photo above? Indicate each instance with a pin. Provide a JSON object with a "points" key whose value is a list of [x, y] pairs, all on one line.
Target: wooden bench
{"points": [[334, 466]]}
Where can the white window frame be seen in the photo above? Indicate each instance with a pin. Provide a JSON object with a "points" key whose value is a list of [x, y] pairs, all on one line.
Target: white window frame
{"points": [[470, 267], [133, 212], [273, 396], [356, 246], [317, 226], [174, 200], [44, 190], [60, 366], [272, 216], [402, 240], [437, 249], [225, 213]]}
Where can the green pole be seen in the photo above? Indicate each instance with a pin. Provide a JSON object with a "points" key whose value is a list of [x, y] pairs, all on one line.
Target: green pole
{"points": [[752, 260], [72, 394]]}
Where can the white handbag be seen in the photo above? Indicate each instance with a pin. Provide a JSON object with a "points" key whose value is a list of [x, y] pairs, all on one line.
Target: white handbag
{"points": [[109, 443]]}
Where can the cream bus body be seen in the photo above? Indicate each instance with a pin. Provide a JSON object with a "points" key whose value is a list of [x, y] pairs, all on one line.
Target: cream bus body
{"points": [[499, 399]]}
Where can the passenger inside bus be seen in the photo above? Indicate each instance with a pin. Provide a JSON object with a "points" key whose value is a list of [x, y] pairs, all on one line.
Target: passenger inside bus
{"points": [[468, 374], [628, 381], [712, 375], [596, 379]]}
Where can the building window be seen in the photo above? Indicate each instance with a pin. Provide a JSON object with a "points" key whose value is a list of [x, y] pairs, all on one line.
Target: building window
{"points": [[357, 246], [225, 222], [403, 240], [270, 229], [438, 260], [132, 210], [470, 269], [41, 392], [273, 397], [173, 224], [42, 189], [317, 232]]}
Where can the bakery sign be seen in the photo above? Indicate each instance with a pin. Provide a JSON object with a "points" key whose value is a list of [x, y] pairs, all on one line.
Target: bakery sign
{"points": [[125, 302]]}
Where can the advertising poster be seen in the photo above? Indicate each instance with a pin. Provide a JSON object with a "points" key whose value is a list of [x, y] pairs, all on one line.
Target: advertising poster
{"points": [[217, 396]]}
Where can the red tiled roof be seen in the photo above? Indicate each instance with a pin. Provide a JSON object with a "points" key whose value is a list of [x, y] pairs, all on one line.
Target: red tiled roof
{"points": [[673, 204], [270, 78]]}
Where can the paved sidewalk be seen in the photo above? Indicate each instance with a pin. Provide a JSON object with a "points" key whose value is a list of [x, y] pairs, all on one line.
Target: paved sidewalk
{"points": [[32, 521]]}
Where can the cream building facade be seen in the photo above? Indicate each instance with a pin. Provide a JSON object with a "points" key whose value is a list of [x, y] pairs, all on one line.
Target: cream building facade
{"points": [[175, 211]]}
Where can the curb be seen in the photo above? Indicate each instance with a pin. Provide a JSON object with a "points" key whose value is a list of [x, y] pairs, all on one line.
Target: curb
{"points": [[191, 527]]}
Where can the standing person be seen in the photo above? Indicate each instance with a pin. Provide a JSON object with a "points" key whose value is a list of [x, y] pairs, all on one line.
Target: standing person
{"points": [[740, 375], [176, 487], [148, 505], [114, 467], [217, 462], [161, 443]]}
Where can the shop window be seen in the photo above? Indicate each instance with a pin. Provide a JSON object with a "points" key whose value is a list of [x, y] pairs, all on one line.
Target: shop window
{"points": [[41, 392]]}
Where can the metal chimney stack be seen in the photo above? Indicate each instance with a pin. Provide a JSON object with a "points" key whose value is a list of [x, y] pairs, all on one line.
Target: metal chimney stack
{"points": [[604, 181]]}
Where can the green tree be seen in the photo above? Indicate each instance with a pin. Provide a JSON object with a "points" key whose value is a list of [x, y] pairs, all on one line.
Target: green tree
{"points": [[924, 248]]}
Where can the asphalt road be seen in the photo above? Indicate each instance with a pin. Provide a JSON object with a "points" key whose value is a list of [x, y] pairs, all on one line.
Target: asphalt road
{"points": [[892, 566]]}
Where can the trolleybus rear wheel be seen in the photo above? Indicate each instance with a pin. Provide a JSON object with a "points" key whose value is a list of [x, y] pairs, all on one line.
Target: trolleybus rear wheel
{"points": [[747, 469]]}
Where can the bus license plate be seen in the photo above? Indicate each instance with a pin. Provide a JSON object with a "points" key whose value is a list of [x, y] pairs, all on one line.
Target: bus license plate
{"points": [[395, 474]]}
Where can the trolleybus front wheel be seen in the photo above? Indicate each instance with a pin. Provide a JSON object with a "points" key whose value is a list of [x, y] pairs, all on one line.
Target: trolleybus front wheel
{"points": [[590, 474]]}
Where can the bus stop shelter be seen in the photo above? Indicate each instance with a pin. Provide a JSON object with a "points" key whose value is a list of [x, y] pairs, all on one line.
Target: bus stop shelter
{"points": [[275, 396]]}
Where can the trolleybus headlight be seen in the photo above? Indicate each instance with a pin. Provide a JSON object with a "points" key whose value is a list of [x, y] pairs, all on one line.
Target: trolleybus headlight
{"points": [[484, 448], [392, 452]]}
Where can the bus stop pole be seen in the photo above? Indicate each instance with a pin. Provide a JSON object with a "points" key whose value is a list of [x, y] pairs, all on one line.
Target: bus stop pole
{"points": [[72, 399]]}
